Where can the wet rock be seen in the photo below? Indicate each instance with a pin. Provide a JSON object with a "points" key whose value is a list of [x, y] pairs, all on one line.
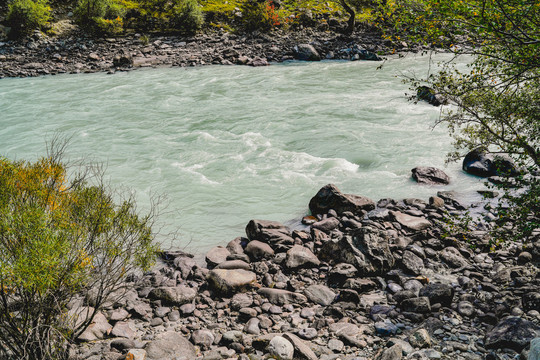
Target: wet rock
{"points": [[170, 345], [429, 176], [320, 294], [480, 163], [231, 281], [427, 94], [306, 52], [513, 333], [330, 197], [300, 256]]}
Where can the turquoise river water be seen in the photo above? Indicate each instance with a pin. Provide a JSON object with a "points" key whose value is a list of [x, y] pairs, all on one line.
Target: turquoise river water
{"points": [[229, 144]]}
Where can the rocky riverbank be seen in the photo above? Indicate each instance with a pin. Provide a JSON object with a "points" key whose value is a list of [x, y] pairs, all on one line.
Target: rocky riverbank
{"points": [[39, 55], [360, 280]]}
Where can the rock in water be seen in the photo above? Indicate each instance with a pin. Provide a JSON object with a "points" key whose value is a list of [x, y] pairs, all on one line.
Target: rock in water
{"points": [[427, 94], [330, 197], [429, 175], [512, 332], [306, 52], [170, 345], [479, 163]]}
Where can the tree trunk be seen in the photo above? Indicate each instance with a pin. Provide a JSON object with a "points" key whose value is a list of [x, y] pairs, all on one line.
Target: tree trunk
{"points": [[352, 17]]}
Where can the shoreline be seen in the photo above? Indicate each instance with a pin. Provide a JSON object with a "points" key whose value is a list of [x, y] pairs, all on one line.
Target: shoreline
{"points": [[50, 56], [359, 281]]}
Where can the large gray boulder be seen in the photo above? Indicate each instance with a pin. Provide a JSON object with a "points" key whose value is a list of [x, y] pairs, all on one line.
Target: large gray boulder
{"points": [[227, 281], [170, 345], [429, 175], [306, 52], [257, 250], [367, 250], [330, 197], [512, 332]]}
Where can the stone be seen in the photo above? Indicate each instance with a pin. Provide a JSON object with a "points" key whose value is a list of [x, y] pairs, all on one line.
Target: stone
{"points": [[282, 297], [241, 300], [327, 224], [98, 328], [412, 263], [136, 354], [237, 245], [531, 301], [306, 52], [438, 293], [385, 328], [258, 61], [307, 333], [203, 338], [405, 346], [344, 329], [185, 264], [428, 95], [335, 345], [271, 232], [420, 339], [252, 326], [123, 329], [436, 202], [453, 257], [231, 281], [330, 197], [216, 256], [419, 305], [511, 332], [367, 250], [301, 348], [534, 351], [234, 264], [170, 345], [415, 223], [122, 344], [392, 353], [177, 295], [300, 256], [480, 163], [257, 250], [429, 175], [320, 294], [465, 308], [281, 348], [123, 60]]}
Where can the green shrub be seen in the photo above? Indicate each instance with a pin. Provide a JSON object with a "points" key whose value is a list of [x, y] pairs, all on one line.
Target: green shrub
{"points": [[186, 17], [101, 16], [61, 235], [261, 16], [25, 16]]}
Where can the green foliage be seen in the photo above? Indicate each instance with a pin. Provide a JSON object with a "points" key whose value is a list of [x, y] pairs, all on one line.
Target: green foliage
{"points": [[60, 236], [187, 17], [260, 16], [25, 16], [101, 16]]}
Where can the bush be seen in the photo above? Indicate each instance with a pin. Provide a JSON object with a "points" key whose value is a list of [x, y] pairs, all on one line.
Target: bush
{"points": [[186, 17], [25, 16], [261, 16], [101, 16], [61, 236]]}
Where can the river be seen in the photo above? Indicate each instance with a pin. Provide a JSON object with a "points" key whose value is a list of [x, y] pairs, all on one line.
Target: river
{"points": [[226, 144]]}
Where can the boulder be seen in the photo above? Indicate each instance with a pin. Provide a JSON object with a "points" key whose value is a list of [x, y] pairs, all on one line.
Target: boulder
{"points": [[170, 345], [271, 232], [367, 250], [299, 256], [512, 332], [330, 197], [98, 328], [306, 52], [227, 281], [216, 256], [480, 163], [257, 250], [427, 94], [429, 175], [123, 60], [282, 297], [281, 348], [320, 294], [438, 293], [453, 257], [175, 295], [416, 305], [412, 263], [415, 223]]}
